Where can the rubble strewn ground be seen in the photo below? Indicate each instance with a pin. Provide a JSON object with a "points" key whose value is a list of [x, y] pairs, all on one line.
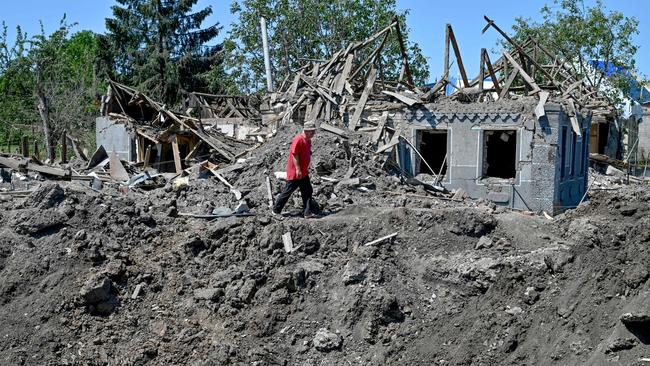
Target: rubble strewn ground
{"points": [[121, 277]]}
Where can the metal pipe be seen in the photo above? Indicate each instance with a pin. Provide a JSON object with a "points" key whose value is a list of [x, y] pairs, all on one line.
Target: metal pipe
{"points": [[267, 58]]}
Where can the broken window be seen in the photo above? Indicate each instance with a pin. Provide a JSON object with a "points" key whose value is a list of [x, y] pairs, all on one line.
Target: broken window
{"points": [[500, 153], [433, 147]]}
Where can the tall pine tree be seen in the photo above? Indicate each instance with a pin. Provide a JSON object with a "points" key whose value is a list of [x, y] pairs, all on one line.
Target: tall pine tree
{"points": [[160, 47]]}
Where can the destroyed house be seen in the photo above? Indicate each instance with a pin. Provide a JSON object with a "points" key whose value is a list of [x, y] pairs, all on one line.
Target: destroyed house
{"points": [[141, 130], [517, 134], [500, 151]]}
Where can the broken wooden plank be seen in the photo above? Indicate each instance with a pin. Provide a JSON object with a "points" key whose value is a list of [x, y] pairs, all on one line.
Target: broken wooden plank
{"points": [[137, 290], [402, 47], [383, 238], [363, 99], [394, 139], [493, 75], [340, 85], [380, 127], [459, 59], [13, 163], [229, 168], [506, 87], [334, 130], [268, 192], [573, 117], [527, 79], [402, 98], [177, 155], [48, 170], [287, 242]]}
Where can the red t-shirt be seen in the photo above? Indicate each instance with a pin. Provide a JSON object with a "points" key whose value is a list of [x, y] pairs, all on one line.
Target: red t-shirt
{"points": [[301, 147]]}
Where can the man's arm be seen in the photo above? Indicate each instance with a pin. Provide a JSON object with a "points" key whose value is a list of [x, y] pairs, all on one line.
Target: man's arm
{"points": [[296, 164]]}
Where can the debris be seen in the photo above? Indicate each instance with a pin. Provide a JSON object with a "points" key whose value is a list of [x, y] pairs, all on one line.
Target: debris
{"points": [[383, 238], [287, 242], [137, 290], [326, 341], [117, 171]]}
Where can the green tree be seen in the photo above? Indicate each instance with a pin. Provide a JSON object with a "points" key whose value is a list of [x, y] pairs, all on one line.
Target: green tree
{"points": [[311, 29], [17, 110], [579, 34], [159, 46], [65, 81]]}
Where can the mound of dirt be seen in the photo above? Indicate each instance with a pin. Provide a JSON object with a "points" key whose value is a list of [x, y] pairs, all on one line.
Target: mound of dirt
{"points": [[115, 278]]}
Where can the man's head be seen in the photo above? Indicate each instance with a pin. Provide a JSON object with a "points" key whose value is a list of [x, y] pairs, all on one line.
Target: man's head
{"points": [[309, 129]]}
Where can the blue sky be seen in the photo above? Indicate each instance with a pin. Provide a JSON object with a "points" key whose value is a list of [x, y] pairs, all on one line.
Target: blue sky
{"points": [[426, 20]]}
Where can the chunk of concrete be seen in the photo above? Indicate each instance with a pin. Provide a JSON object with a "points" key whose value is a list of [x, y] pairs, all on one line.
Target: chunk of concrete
{"points": [[326, 341]]}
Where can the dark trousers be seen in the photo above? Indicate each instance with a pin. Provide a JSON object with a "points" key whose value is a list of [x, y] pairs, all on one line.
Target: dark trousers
{"points": [[305, 191]]}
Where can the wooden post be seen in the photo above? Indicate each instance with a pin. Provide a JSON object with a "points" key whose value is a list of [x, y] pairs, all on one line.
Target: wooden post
{"points": [[147, 156], [24, 146], [36, 153], [64, 148], [177, 156], [445, 73], [459, 59], [481, 74]]}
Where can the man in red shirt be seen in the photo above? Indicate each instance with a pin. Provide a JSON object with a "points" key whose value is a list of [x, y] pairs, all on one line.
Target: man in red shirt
{"points": [[298, 171]]}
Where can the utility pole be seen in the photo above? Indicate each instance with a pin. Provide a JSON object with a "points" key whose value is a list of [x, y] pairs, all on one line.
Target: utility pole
{"points": [[267, 57]]}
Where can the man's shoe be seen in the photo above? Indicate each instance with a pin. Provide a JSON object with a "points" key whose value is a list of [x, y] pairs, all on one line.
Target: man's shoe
{"points": [[311, 216], [276, 215]]}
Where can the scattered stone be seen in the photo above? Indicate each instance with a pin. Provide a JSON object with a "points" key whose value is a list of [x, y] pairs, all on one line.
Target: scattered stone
{"points": [[484, 242], [326, 341], [635, 319], [621, 344], [242, 207], [354, 272], [211, 294], [531, 295], [96, 290], [515, 310]]}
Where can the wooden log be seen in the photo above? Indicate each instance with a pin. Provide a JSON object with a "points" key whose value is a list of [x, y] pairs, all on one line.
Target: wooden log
{"points": [[334, 130], [363, 99]]}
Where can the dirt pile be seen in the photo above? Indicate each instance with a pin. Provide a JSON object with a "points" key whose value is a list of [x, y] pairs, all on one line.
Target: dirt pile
{"points": [[118, 278]]}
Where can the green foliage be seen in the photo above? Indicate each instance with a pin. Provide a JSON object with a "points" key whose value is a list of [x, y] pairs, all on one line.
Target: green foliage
{"points": [[62, 67], [579, 33], [159, 46], [16, 86], [311, 29]]}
